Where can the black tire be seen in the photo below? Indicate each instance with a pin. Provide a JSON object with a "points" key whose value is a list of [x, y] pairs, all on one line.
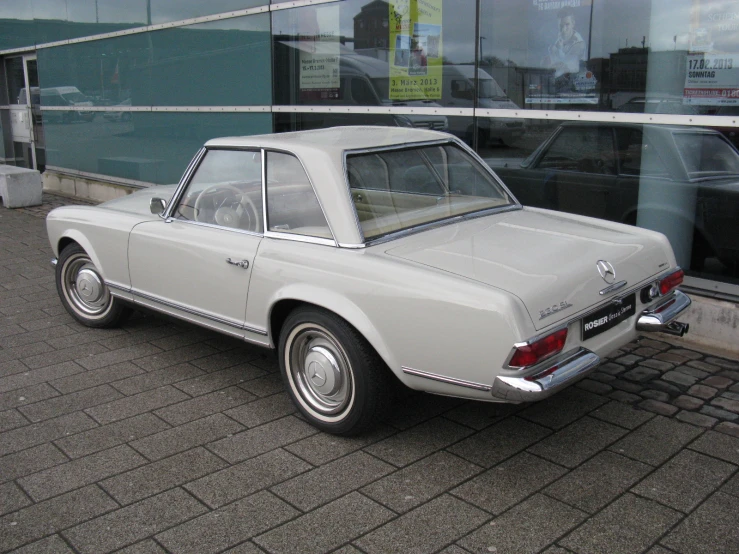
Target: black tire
{"points": [[83, 292], [351, 385]]}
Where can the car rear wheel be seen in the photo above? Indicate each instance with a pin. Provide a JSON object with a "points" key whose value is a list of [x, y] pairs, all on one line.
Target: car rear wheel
{"points": [[83, 291], [334, 377]]}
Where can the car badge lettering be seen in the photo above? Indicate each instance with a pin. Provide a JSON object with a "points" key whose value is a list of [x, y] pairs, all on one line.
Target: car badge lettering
{"points": [[606, 271], [554, 309]]}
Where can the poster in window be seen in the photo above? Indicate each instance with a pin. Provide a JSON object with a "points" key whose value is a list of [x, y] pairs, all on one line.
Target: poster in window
{"points": [[712, 61], [415, 50], [559, 34], [319, 54]]}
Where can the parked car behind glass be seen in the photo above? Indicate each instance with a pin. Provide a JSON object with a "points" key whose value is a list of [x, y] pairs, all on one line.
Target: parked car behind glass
{"points": [[598, 169]]}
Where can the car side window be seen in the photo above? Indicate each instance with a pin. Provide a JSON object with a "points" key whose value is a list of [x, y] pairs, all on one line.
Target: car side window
{"points": [[292, 205], [582, 149], [226, 190], [637, 156]]}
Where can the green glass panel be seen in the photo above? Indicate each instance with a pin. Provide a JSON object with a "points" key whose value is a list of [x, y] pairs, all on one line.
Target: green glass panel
{"points": [[221, 63], [163, 11], [144, 146], [17, 27], [107, 72]]}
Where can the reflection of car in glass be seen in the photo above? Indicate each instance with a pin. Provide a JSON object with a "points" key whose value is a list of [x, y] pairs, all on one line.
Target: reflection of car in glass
{"points": [[66, 97], [367, 255], [597, 169], [458, 90], [123, 115], [642, 104]]}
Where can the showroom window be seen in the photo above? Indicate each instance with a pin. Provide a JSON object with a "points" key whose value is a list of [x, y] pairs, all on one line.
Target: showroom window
{"points": [[666, 159]]}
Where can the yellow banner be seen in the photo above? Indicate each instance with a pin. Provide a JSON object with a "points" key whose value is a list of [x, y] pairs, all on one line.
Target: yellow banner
{"points": [[415, 50]]}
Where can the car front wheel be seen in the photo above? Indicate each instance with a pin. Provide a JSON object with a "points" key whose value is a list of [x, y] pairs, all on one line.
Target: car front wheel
{"points": [[334, 377], [83, 291]]}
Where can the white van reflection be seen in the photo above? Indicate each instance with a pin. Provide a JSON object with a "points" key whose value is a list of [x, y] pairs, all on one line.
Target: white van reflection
{"points": [[66, 97], [458, 91]]}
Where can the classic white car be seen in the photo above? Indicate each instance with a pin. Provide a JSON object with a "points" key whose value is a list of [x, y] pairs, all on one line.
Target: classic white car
{"points": [[366, 252]]}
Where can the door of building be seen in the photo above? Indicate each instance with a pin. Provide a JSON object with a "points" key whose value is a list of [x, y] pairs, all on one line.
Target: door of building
{"points": [[26, 128]]}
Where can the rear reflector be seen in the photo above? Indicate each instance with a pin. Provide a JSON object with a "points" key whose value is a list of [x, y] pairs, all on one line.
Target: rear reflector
{"points": [[533, 353], [671, 281]]}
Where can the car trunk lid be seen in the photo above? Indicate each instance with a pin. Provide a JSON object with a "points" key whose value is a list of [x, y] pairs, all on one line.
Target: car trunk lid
{"points": [[548, 260]]}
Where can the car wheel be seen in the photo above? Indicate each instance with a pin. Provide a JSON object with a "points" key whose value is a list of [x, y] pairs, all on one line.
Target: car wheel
{"points": [[83, 291], [334, 377]]}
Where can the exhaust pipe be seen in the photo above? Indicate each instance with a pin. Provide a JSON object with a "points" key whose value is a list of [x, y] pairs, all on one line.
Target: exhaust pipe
{"points": [[661, 318], [676, 328]]}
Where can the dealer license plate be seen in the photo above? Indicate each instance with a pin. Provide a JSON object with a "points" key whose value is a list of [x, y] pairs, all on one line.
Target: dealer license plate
{"points": [[607, 317]]}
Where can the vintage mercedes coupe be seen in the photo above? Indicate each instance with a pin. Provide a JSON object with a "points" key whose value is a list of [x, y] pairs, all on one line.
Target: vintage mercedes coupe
{"points": [[363, 253]]}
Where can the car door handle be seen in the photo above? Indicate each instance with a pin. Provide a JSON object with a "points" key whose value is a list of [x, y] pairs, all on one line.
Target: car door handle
{"points": [[243, 264]]}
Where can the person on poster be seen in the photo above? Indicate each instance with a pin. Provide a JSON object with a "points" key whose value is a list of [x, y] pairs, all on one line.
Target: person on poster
{"points": [[569, 48]]}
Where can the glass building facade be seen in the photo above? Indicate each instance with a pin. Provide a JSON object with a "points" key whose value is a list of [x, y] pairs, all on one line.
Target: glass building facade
{"points": [[618, 109]]}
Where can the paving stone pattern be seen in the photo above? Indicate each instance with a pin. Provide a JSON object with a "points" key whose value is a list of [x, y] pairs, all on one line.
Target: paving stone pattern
{"points": [[162, 437]]}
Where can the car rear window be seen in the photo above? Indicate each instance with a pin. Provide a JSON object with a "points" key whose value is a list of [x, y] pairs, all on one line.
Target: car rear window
{"points": [[706, 155], [395, 190]]}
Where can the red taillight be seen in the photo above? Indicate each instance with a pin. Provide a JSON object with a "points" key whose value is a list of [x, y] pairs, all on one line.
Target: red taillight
{"points": [[671, 281], [533, 353]]}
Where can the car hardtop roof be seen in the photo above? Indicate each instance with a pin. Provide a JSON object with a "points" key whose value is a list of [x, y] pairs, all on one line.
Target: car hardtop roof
{"points": [[334, 139]]}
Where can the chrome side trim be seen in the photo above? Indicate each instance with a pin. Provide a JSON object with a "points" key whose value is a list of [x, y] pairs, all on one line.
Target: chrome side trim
{"points": [[117, 286], [613, 287], [558, 372], [444, 379], [197, 313]]}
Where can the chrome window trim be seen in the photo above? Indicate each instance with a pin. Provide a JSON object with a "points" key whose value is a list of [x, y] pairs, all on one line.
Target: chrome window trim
{"points": [[300, 238], [215, 226], [333, 240], [191, 311], [442, 223], [444, 379], [187, 178], [184, 181]]}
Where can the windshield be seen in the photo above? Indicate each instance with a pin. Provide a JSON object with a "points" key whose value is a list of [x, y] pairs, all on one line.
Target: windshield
{"points": [[490, 89], [75, 97], [706, 155], [395, 190]]}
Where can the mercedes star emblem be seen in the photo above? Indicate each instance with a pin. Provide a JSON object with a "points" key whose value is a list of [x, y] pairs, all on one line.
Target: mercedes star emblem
{"points": [[606, 271]]}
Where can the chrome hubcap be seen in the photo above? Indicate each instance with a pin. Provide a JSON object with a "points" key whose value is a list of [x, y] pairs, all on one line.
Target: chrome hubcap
{"points": [[320, 370], [84, 287]]}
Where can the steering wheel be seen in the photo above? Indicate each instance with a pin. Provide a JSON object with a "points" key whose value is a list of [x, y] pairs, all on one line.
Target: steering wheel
{"points": [[236, 210]]}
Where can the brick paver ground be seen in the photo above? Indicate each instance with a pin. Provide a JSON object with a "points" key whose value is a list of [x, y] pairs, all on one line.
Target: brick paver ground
{"points": [[163, 437]]}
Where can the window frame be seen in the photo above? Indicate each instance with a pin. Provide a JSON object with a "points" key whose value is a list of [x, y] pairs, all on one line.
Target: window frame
{"points": [[191, 170]]}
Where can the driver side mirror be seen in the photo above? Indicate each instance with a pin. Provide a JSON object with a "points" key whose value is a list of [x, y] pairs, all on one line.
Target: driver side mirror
{"points": [[157, 206]]}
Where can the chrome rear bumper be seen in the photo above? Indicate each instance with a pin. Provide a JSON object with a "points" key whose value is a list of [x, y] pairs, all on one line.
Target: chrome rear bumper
{"points": [[563, 370], [660, 317], [557, 373]]}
